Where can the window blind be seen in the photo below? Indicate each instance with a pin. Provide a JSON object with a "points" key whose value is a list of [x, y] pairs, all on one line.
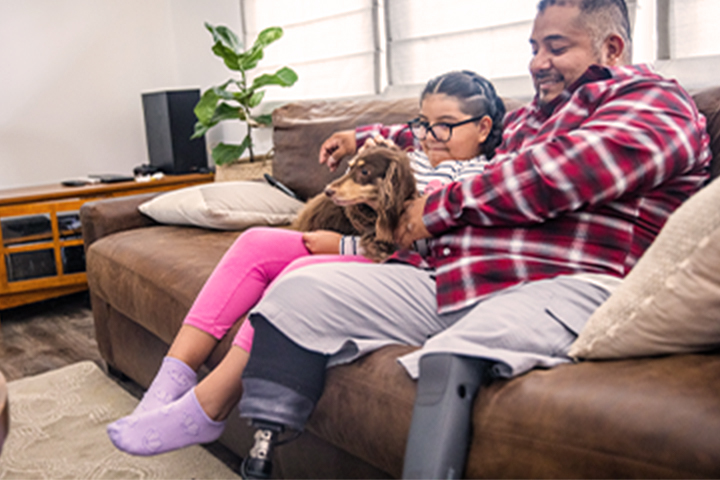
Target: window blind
{"points": [[429, 37], [392, 47], [332, 45], [693, 28]]}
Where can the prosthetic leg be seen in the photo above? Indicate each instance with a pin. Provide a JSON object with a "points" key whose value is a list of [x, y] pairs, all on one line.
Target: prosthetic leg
{"points": [[258, 463], [282, 383], [441, 423]]}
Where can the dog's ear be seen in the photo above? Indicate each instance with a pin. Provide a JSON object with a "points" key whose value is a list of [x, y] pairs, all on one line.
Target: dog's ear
{"points": [[395, 189]]}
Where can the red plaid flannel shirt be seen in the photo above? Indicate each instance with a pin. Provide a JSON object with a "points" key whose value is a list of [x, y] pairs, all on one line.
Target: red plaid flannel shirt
{"points": [[583, 184]]}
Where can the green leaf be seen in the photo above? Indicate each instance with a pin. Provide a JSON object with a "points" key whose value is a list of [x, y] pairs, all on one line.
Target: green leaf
{"points": [[225, 36], [268, 36], [242, 96], [222, 92], [226, 111], [205, 107], [265, 119], [230, 58], [256, 99], [223, 153], [285, 77], [250, 59], [200, 130]]}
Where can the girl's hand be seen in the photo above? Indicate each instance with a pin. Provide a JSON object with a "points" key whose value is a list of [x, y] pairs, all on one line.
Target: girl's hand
{"points": [[336, 147], [322, 242]]}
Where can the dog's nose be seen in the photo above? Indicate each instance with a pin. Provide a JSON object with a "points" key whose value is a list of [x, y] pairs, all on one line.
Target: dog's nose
{"points": [[329, 192]]}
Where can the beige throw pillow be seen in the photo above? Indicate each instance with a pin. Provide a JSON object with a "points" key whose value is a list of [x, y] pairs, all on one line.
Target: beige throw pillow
{"points": [[224, 206], [670, 300]]}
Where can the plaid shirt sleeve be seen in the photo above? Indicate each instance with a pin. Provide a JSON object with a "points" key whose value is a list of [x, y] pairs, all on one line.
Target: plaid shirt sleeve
{"points": [[400, 134], [597, 149]]}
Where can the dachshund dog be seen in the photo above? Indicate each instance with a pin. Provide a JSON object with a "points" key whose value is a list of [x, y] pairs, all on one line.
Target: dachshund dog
{"points": [[367, 200]]}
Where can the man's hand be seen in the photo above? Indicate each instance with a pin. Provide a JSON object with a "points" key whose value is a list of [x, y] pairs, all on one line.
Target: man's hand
{"points": [[336, 147], [411, 225], [322, 242]]}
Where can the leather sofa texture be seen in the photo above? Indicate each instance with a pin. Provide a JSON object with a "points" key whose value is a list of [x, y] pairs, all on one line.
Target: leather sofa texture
{"points": [[651, 417]]}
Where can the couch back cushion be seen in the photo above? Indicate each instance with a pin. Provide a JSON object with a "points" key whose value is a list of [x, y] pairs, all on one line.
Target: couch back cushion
{"points": [[708, 102], [301, 127]]}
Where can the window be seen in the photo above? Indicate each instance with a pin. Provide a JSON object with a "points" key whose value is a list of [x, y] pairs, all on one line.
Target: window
{"points": [[430, 37], [392, 47], [692, 28], [331, 44], [688, 41]]}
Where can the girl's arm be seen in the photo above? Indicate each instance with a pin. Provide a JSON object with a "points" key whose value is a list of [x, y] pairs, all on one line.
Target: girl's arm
{"points": [[348, 142]]}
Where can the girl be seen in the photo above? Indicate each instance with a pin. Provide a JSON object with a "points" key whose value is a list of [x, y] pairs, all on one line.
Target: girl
{"points": [[458, 129]]}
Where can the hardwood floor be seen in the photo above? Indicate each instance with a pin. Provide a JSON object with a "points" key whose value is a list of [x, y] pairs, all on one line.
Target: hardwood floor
{"points": [[47, 335]]}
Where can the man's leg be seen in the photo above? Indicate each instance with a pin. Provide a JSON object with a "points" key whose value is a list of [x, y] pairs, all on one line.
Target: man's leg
{"points": [[284, 375], [309, 316], [505, 335], [440, 429]]}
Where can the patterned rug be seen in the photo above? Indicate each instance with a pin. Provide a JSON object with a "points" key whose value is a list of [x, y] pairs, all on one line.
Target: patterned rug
{"points": [[57, 430]]}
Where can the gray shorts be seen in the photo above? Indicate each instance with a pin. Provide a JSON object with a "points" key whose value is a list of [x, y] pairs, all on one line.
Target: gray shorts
{"points": [[348, 310]]}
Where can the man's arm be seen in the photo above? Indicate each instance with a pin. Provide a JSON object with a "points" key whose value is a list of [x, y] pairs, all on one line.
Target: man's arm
{"points": [[399, 134], [642, 137]]}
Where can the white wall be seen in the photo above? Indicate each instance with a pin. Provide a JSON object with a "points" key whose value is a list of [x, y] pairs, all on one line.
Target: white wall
{"points": [[72, 73]]}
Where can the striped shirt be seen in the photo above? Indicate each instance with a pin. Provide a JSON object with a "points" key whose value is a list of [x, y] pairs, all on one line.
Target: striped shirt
{"points": [[580, 185]]}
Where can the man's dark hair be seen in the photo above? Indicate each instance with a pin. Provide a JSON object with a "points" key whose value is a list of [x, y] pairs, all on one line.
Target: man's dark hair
{"points": [[602, 18]]}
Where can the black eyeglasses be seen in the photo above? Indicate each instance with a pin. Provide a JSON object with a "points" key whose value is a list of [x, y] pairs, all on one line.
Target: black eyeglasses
{"points": [[441, 131]]}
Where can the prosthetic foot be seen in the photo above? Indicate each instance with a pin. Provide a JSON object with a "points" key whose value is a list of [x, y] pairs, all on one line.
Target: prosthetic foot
{"points": [[441, 423], [258, 463]]}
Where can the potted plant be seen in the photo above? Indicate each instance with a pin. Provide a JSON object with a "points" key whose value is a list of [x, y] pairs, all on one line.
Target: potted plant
{"points": [[238, 97]]}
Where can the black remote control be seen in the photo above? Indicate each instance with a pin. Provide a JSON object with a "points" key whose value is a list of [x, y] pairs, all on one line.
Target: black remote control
{"points": [[272, 181]]}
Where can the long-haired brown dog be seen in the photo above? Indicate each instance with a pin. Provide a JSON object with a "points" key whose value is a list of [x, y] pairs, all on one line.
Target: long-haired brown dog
{"points": [[367, 200]]}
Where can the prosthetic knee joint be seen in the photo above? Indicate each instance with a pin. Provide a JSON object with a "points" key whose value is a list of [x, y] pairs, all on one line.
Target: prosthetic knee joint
{"points": [[441, 423]]}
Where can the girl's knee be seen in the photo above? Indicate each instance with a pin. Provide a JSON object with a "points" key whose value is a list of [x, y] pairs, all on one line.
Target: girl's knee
{"points": [[263, 235]]}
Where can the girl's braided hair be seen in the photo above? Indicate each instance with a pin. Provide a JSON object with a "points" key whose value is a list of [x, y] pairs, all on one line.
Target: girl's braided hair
{"points": [[477, 97]]}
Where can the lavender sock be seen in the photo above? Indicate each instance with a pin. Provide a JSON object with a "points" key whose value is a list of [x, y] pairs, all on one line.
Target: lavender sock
{"points": [[173, 380], [179, 424]]}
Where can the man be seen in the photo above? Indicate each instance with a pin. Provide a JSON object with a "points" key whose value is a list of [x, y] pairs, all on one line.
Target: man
{"points": [[520, 256]]}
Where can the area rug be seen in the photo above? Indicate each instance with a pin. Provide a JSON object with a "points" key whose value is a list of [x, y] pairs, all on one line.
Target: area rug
{"points": [[57, 430]]}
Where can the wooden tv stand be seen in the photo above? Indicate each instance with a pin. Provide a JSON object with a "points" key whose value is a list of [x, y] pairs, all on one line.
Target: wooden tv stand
{"points": [[41, 241]]}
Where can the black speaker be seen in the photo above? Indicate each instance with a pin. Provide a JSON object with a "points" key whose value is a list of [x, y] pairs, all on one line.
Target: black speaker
{"points": [[169, 124]]}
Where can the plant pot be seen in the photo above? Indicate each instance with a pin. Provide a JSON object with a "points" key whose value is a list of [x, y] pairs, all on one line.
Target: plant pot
{"points": [[244, 169]]}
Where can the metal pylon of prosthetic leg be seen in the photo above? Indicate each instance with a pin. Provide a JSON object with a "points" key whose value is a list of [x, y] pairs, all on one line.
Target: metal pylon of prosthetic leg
{"points": [[442, 417]]}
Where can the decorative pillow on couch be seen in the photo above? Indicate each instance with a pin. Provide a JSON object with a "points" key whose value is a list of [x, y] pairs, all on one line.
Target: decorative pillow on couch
{"points": [[670, 300], [224, 206]]}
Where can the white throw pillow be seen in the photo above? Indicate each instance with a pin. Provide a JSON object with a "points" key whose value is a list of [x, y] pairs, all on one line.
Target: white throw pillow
{"points": [[670, 300], [224, 206]]}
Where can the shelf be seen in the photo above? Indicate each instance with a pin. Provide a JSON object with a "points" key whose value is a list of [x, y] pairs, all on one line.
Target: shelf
{"points": [[41, 237]]}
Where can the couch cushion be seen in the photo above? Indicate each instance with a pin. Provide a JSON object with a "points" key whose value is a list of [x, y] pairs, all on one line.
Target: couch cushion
{"points": [[708, 102], [623, 419], [224, 206], [299, 129], [153, 274], [670, 300]]}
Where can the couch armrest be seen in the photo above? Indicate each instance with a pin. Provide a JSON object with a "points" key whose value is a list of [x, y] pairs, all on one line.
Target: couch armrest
{"points": [[103, 217]]}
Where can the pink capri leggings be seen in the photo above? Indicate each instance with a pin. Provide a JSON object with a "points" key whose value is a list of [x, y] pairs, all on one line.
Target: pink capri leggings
{"points": [[251, 264]]}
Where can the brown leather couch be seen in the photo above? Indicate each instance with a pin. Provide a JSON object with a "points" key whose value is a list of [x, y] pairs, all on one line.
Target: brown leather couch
{"points": [[652, 417]]}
